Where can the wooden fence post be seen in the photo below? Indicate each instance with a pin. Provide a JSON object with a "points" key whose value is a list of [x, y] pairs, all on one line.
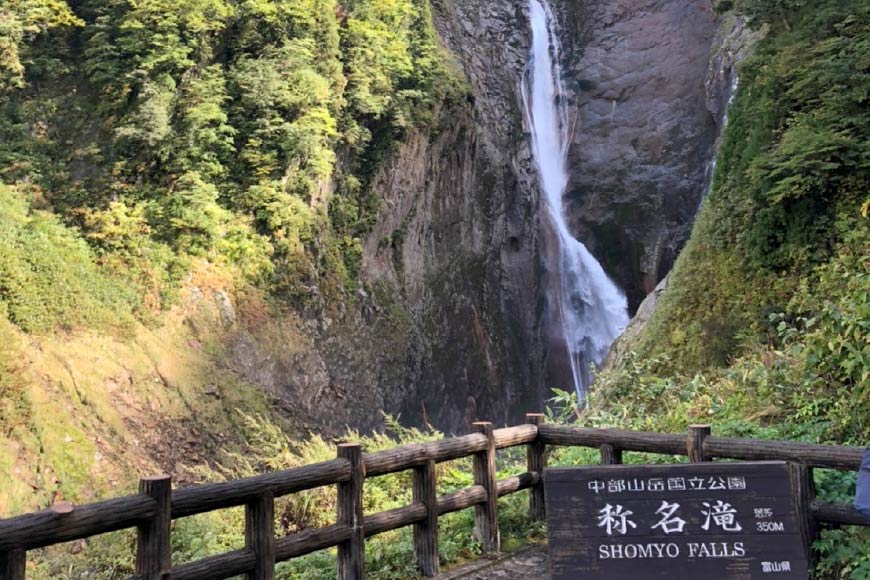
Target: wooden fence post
{"points": [[260, 535], [804, 489], [536, 461], [610, 455], [153, 550], [13, 565], [426, 532], [351, 553], [486, 514], [695, 443]]}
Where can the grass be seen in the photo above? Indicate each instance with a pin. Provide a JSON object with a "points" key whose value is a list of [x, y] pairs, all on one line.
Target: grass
{"points": [[48, 275], [81, 414]]}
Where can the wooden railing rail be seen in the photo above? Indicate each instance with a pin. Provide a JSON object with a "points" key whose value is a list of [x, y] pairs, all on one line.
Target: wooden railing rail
{"points": [[624, 440], [152, 509], [64, 523], [813, 455], [199, 499], [829, 456]]}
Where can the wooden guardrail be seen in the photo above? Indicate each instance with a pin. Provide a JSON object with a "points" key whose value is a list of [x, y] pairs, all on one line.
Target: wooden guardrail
{"points": [[152, 510]]}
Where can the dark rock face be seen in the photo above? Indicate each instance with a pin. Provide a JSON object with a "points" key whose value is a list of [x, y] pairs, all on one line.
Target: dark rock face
{"points": [[734, 41], [459, 237], [644, 134], [449, 327]]}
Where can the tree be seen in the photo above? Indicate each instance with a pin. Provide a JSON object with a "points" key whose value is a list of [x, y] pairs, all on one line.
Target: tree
{"points": [[20, 21], [191, 216]]}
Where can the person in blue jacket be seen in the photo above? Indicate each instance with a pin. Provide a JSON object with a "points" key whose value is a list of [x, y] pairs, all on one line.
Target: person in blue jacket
{"points": [[862, 491]]}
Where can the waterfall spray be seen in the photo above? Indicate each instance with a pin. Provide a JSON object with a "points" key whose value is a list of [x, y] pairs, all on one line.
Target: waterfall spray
{"points": [[592, 311]]}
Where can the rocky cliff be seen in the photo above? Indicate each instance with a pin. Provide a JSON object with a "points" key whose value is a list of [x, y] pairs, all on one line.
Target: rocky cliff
{"points": [[648, 83], [448, 326], [459, 237], [458, 248]]}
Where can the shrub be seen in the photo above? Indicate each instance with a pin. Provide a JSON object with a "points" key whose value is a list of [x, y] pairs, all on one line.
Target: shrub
{"points": [[48, 275]]}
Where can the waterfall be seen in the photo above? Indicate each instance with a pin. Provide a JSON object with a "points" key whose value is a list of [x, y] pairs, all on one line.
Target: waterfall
{"points": [[710, 172], [592, 310]]}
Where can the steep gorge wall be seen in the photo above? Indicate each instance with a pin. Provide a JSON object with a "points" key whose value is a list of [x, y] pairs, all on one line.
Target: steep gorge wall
{"points": [[459, 236], [447, 326], [646, 83], [459, 241]]}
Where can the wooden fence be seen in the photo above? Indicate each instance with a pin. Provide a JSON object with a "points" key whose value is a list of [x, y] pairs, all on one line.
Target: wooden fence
{"points": [[152, 510]]}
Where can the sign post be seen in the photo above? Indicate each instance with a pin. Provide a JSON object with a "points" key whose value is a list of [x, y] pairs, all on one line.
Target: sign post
{"points": [[712, 521]]}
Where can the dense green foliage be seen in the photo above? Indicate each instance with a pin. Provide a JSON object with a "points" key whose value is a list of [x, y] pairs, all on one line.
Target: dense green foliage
{"points": [[779, 262], [21, 20], [243, 131], [47, 274], [765, 327]]}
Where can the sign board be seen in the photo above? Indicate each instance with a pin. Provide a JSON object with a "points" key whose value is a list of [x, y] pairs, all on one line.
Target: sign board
{"points": [[710, 521]]}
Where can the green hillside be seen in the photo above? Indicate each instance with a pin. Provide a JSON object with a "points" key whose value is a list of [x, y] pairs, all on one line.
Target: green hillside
{"points": [[156, 157], [244, 131], [764, 329]]}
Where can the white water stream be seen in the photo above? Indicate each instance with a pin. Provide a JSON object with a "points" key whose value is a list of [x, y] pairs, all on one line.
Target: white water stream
{"points": [[592, 310], [710, 172]]}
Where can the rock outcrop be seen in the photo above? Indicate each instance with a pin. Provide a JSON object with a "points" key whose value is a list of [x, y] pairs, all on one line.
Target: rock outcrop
{"points": [[620, 349], [459, 241], [733, 42], [643, 135], [648, 102]]}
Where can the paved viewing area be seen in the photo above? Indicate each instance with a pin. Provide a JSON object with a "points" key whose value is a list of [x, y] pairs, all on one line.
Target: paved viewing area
{"points": [[525, 563]]}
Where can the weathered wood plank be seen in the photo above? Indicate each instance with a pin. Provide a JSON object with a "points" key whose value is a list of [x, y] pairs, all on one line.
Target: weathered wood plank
{"points": [[64, 522], [204, 498], [225, 565], [408, 456], [461, 499], [513, 436], [351, 553], [811, 455], [626, 440], [536, 461], [804, 490], [260, 536], [838, 513], [517, 483], [394, 519], [153, 552], [426, 530], [610, 455], [695, 443], [486, 513], [309, 541], [13, 565], [582, 544]]}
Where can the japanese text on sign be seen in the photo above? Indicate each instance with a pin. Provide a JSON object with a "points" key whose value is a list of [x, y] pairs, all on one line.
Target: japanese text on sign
{"points": [[726, 520]]}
